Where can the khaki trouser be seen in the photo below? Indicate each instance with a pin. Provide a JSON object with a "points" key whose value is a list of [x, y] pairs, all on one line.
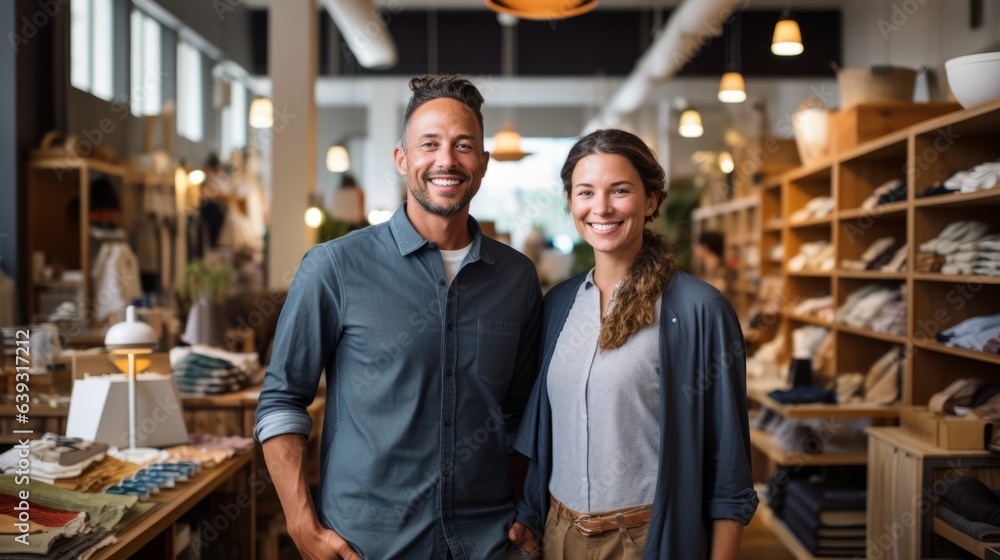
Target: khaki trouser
{"points": [[564, 541]]}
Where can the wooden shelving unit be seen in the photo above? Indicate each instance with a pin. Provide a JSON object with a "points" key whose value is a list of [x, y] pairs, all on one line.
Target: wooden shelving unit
{"points": [[949, 532], [739, 220], [765, 443], [935, 302]]}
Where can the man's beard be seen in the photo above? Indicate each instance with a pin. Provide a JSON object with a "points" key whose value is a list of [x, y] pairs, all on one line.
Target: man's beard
{"points": [[421, 193]]}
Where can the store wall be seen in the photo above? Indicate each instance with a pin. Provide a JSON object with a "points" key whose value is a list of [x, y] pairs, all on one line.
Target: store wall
{"points": [[98, 121], [917, 32]]}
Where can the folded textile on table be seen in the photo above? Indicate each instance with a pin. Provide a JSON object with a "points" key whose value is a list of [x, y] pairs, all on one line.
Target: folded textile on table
{"points": [[103, 510], [54, 457], [207, 375], [99, 476]]}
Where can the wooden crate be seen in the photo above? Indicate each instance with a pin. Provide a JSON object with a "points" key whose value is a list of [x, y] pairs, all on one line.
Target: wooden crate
{"points": [[858, 124]]}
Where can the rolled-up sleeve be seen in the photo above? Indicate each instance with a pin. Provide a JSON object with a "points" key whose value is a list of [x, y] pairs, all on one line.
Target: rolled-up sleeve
{"points": [[307, 333], [728, 479]]}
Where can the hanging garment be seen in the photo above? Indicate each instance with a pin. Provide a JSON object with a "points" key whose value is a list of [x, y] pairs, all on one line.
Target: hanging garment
{"points": [[115, 273]]}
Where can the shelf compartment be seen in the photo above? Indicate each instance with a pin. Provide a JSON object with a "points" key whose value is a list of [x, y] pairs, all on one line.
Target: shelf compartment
{"points": [[958, 200], [929, 221], [815, 222], [883, 210], [854, 237], [818, 410], [766, 444], [942, 149], [870, 275], [934, 370], [807, 319], [862, 174], [955, 278], [960, 352], [868, 333], [938, 306], [953, 535]]}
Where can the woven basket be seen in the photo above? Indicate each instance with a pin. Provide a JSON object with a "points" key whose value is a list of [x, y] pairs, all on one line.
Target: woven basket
{"points": [[875, 84]]}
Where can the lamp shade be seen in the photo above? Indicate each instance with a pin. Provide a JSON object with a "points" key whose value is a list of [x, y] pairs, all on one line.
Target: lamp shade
{"points": [[130, 336], [261, 113], [732, 89], [726, 163], [542, 9], [337, 159], [690, 125], [507, 144], [787, 40]]}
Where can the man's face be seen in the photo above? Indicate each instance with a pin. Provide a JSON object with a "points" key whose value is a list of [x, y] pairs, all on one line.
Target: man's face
{"points": [[442, 158]]}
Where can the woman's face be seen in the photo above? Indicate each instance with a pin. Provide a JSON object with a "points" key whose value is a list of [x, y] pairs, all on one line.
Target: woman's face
{"points": [[609, 204]]}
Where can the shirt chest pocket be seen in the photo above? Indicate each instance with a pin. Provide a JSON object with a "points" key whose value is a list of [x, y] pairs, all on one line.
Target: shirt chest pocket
{"points": [[496, 350]]}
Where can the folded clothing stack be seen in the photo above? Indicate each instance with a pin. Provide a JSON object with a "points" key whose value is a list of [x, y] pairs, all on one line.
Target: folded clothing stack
{"points": [[68, 524], [816, 208], [874, 305], [962, 247], [979, 178], [828, 521], [879, 385], [817, 255], [820, 307], [209, 450], [888, 192], [976, 333], [971, 507], [203, 375], [884, 254], [55, 457]]}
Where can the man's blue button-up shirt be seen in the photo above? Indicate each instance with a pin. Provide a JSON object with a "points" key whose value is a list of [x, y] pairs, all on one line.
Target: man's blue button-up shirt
{"points": [[425, 381]]}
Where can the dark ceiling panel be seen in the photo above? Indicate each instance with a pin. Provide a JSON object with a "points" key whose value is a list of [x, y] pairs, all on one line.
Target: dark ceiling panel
{"points": [[469, 43], [409, 31], [603, 42], [820, 37]]}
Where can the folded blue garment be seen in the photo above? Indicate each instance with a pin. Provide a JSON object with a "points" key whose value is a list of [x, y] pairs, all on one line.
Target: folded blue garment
{"points": [[804, 394]]}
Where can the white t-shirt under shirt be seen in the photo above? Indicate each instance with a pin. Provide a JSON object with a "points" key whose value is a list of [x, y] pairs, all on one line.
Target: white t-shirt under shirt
{"points": [[453, 261]]}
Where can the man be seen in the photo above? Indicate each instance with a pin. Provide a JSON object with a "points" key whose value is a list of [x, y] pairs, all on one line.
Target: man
{"points": [[427, 333]]}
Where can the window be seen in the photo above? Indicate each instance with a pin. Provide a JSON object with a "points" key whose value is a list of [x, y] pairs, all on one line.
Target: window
{"points": [[92, 46], [234, 120], [190, 109], [146, 93]]}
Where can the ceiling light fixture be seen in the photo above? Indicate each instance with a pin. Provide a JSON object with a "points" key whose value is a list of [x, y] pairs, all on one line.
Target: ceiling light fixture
{"points": [[337, 159], [261, 113], [787, 39], [690, 125], [507, 144], [732, 88], [541, 9]]}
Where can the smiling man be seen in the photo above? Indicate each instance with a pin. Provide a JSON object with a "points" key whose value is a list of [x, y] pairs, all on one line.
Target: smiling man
{"points": [[427, 333]]}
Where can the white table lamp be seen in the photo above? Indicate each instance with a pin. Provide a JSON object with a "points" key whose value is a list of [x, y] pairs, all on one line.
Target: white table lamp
{"points": [[130, 338]]}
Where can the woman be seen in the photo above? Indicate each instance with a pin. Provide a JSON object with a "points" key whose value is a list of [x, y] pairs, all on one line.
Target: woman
{"points": [[637, 428]]}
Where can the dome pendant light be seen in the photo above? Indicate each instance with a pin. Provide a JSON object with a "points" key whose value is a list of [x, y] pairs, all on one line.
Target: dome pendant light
{"points": [[337, 159], [732, 88], [690, 125], [507, 144], [261, 113], [787, 39]]}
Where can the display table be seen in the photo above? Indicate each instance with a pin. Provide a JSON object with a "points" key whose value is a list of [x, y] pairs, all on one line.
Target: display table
{"points": [[231, 495]]}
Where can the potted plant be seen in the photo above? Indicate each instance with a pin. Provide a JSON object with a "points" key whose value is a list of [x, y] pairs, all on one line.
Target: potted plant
{"points": [[206, 288]]}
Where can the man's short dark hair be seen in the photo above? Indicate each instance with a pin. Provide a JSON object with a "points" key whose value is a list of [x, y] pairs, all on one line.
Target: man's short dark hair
{"points": [[434, 86]]}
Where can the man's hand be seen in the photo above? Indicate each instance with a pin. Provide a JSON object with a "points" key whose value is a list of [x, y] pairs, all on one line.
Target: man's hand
{"points": [[320, 543], [523, 537]]}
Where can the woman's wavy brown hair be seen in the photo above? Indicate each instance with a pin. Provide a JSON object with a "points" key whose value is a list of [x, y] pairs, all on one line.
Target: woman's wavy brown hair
{"points": [[654, 265]]}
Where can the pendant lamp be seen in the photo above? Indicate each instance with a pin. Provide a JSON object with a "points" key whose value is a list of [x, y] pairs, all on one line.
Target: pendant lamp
{"points": [[337, 159], [261, 113], [787, 39], [507, 144], [541, 9], [732, 88], [690, 125]]}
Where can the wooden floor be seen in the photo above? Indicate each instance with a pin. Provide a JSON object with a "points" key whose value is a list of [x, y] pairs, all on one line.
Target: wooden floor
{"points": [[760, 544]]}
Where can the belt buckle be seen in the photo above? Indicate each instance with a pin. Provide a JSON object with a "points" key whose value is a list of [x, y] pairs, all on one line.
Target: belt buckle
{"points": [[586, 532]]}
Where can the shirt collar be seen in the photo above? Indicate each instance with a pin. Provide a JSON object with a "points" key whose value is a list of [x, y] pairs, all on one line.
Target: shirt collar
{"points": [[588, 282], [408, 240]]}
